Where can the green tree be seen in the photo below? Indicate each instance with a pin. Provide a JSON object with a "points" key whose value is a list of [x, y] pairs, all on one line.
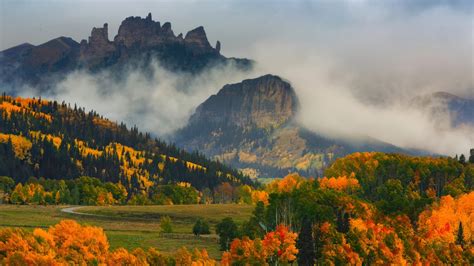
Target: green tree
{"points": [[64, 193], [6, 184], [462, 159], [393, 197], [305, 244], [244, 194], [166, 225], [255, 226], [227, 231], [49, 199], [38, 197], [201, 227], [118, 191], [17, 196], [206, 196], [75, 195]]}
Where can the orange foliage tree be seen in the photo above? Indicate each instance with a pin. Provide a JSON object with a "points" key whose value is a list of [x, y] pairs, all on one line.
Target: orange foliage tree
{"points": [[441, 223], [260, 195], [287, 184], [342, 183], [276, 246], [69, 243], [377, 242]]}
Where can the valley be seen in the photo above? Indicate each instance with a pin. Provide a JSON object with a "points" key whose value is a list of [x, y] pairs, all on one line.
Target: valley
{"points": [[149, 147]]}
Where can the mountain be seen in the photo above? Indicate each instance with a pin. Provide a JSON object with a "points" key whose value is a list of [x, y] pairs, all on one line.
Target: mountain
{"points": [[252, 126], [138, 41], [460, 110], [52, 140]]}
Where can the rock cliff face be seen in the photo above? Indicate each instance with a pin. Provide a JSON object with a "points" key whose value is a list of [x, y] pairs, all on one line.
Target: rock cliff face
{"points": [[138, 40], [98, 48], [264, 103], [251, 125]]}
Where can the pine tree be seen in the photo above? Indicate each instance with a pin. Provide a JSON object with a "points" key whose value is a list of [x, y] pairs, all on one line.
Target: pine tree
{"points": [[305, 244], [460, 236]]}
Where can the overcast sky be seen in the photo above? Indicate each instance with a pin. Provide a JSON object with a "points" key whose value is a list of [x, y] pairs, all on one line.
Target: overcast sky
{"points": [[351, 62], [236, 23]]}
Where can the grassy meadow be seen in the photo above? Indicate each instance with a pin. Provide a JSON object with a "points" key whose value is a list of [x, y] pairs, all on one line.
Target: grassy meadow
{"points": [[134, 226]]}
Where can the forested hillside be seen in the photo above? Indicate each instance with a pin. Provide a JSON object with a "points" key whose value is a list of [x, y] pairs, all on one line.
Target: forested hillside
{"points": [[370, 209], [54, 141], [405, 184]]}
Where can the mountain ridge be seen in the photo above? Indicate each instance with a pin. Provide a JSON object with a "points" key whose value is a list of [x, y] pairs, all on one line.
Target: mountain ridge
{"points": [[138, 40], [460, 110]]}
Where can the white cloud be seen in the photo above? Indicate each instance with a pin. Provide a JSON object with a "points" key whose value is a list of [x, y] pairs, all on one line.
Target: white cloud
{"points": [[159, 104]]}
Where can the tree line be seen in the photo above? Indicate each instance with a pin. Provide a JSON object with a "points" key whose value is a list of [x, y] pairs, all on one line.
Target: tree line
{"points": [[87, 190]]}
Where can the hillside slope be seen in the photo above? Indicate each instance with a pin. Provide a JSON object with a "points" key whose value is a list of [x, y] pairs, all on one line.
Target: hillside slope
{"points": [[53, 140]]}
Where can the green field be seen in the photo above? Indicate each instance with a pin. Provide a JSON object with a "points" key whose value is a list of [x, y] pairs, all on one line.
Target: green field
{"points": [[134, 226]]}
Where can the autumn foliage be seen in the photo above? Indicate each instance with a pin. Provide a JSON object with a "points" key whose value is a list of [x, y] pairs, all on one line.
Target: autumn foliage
{"points": [[66, 242], [287, 184], [69, 243], [342, 183], [21, 145], [441, 223], [276, 246]]}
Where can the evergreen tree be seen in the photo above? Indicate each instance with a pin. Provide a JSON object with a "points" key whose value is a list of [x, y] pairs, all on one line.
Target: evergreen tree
{"points": [[305, 244], [256, 227], [460, 235], [201, 227], [227, 231]]}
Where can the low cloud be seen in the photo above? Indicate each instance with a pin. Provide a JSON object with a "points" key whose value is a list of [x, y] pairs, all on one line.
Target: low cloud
{"points": [[360, 79], [160, 103]]}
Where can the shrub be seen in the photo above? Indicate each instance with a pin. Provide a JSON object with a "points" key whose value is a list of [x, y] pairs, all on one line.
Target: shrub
{"points": [[166, 224], [201, 227]]}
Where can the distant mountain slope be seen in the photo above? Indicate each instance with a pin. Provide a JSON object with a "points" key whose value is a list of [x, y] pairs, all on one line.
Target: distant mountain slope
{"points": [[52, 140], [138, 40], [460, 110], [252, 126]]}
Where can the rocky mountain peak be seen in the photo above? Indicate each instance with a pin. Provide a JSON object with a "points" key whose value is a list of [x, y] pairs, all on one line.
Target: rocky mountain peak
{"points": [[99, 35], [138, 40], [196, 40], [265, 102], [218, 46], [137, 31], [98, 46], [251, 125]]}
